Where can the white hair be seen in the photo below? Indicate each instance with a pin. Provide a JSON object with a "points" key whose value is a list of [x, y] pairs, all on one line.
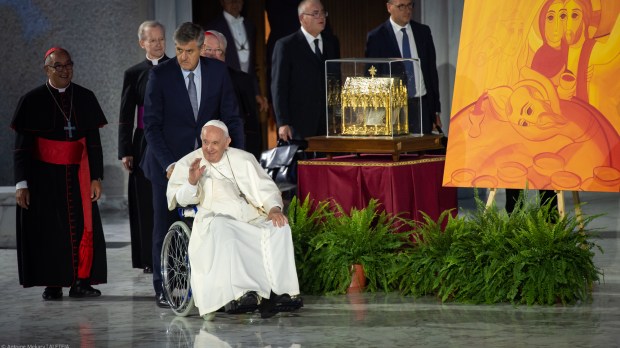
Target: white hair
{"points": [[220, 38], [302, 5], [149, 24], [219, 124]]}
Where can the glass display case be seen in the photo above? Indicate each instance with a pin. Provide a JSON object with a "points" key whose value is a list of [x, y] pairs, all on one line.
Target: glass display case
{"points": [[370, 97]]}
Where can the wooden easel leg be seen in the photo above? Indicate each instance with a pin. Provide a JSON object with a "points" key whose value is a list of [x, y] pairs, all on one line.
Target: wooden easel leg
{"points": [[561, 205], [491, 198], [578, 213]]}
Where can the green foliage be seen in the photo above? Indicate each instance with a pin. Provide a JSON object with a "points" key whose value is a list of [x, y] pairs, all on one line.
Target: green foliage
{"points": [[306, 222], [366, 236], [531, 256]]}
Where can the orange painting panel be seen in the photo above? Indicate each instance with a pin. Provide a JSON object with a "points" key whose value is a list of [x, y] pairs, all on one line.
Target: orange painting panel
{"points": [[537, 96]]}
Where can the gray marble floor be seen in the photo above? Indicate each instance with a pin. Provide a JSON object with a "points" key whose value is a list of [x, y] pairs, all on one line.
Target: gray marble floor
{"points": [[126, 315]]}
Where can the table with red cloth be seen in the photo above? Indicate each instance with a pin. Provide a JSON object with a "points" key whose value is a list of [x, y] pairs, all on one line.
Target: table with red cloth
{"points": [[408, 186]]}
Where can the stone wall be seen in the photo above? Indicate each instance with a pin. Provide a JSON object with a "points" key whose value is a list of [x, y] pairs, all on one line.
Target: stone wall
{"points": [[102, 39]]}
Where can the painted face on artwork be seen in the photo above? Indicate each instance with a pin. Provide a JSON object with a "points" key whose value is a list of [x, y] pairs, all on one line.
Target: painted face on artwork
{"points": [[59, 69], [188, 55], [214, 143], [531, 115], [554, 24], [211, 48], [400, 11], [313, 18], [154, 42], [574, 22]]}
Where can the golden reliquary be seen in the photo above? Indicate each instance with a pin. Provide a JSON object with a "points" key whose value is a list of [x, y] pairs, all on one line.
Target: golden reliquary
{"points": [[374, 106]]}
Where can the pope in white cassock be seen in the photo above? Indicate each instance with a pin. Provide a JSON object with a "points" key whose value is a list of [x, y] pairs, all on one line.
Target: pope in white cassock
{"points": [[240, 249]]}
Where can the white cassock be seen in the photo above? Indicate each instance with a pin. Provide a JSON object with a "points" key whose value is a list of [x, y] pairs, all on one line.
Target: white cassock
{"points": [[233, 248]]}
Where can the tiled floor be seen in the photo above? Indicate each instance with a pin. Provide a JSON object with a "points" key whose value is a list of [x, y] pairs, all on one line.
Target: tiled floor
{"points": [[126, 315]]}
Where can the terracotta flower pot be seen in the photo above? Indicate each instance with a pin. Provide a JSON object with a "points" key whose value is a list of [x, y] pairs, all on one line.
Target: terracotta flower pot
{"points": [[358, 279]]}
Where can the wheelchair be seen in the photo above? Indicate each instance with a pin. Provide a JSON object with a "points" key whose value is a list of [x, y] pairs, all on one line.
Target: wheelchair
{"points": [[176, 270], [175, 267]]}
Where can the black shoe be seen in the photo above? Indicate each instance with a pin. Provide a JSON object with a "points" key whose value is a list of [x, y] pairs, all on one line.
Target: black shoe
{"points": [[82, 288], [267, 309], [148, 270], [52, 293], [280, 303], [245, 304], [286, 303], [161, 301]]}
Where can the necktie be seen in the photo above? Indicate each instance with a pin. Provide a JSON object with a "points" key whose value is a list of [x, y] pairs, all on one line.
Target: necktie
{"points": [[317, 50], [408, 65], [193, 96]]}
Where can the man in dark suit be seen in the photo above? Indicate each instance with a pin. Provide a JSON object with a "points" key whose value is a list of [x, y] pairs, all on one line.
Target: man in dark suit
{"points": [[215, 47], [240, 33], [182, 94], [131, 144], [386, 41], [298, 75]]}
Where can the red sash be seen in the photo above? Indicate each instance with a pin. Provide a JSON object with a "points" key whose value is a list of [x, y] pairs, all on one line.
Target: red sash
{"points": [[73, 152]]}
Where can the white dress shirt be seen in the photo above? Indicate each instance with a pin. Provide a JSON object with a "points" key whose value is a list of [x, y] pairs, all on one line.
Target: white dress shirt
{"points": [[421, 88], [241, 42], [311, 39]]}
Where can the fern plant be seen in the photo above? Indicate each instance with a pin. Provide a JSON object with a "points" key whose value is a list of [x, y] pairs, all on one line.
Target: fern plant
{"points": [[365, 236], [530, 256], [305, 221]]}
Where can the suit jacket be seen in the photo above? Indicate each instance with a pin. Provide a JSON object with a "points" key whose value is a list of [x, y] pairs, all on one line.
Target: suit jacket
{"points": [[298, 83], [232, 58], [169, 125], [134, 86], [381, 43], [242, 84]]}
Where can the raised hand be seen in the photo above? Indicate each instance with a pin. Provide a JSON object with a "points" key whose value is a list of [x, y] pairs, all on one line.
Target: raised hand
{"points": [[196, 171]]}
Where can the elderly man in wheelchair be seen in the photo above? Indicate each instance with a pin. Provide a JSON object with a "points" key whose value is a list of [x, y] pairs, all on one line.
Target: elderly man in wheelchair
{"points": [[240, 249]]}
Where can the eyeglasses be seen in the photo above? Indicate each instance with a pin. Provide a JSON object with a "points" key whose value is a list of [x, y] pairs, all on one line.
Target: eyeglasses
{"points": [[216, 51], [60, 67], [403, 7], [317, 14]]}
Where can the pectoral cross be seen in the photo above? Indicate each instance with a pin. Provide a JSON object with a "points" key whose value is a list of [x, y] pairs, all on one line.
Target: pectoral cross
{"points": [[69, 128]]}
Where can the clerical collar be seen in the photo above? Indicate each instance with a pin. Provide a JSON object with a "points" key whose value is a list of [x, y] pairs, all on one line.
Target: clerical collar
{"points": [[154, 61], [60, 90], [231, 19]]}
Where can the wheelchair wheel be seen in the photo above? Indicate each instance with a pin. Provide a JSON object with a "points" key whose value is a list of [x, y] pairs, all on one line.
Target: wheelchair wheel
{"points": [[175, 268]]}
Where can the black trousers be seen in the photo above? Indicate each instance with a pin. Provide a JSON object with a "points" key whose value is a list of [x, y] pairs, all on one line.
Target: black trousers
{"points": [[512, 195], [163, 218], [414, 115]]}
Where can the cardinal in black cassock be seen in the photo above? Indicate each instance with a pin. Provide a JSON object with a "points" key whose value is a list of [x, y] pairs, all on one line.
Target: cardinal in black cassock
{"points": [[58, 164]]}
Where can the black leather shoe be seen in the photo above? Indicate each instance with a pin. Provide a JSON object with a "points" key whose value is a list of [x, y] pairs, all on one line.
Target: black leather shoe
{"points": [[52, 293], [161, 301], [279, 303], [286, 303], [148, 270], [82, 288], [245, 304], [267, 309]]}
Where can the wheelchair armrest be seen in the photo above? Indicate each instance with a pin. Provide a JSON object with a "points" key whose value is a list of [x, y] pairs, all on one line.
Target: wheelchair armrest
{"points": [[187, 212]]}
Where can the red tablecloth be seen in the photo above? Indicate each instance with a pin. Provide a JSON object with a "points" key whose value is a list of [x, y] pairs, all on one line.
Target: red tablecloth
{"points": [[409, 186]]}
